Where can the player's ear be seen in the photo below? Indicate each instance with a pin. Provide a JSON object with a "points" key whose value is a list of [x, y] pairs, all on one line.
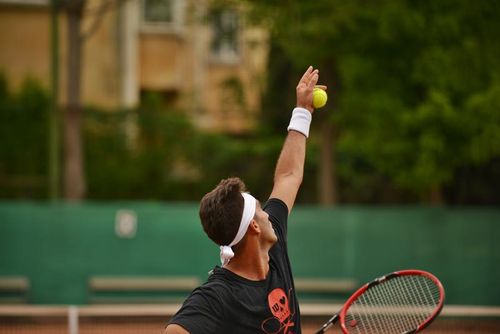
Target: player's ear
{"points": [[254, 226]]}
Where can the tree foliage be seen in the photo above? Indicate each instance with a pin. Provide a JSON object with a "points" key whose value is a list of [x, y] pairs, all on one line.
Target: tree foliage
{"points": [[168, 158], [416, 96], [23, 149], [416, 101]]}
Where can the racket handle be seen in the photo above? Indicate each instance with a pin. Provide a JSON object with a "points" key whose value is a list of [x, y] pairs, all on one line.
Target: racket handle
{"points": [[328, 324]]}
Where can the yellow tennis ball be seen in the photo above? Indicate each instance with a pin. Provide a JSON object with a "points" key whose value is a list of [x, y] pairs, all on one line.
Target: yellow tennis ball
{"points": [[319, 98]]}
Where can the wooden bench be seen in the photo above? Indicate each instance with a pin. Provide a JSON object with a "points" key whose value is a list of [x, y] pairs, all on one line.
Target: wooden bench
{"points": [[140, 289], [173, 289], [14, 289]]}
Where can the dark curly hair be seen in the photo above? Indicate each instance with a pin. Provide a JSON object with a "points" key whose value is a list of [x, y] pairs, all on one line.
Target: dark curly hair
{"points": [[221, 210]]}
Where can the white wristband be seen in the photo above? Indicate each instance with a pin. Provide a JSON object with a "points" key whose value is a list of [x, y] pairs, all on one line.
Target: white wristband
{"points": [[300, 121]]}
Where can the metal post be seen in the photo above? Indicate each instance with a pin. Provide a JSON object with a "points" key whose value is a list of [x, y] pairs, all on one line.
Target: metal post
{"points": [[73, 320]]}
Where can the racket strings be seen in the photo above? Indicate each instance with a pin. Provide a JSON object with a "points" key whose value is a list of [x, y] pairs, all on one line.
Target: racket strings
{"points": [[397, 305]]}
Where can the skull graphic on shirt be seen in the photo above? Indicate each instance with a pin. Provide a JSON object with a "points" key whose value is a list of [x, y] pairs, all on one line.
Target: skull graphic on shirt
{"points": [[281, 321], [278, 303]]}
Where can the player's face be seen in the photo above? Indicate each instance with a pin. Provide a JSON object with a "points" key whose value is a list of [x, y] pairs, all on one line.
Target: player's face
{"points": [[262, 219]]}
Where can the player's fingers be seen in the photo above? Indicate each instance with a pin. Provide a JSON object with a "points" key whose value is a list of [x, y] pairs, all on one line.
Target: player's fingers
{"points": [[306, 74], [323, 87], [308, 81], [314, 79]]}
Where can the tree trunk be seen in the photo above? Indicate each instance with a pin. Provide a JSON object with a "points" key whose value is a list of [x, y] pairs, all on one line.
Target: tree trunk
{"points": [[436, 196], [74, 179], [327, 176], [54, 116], [327, 166]]}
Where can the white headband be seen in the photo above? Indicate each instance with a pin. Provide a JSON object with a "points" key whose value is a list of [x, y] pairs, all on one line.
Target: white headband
{"points": [[226, 253]]}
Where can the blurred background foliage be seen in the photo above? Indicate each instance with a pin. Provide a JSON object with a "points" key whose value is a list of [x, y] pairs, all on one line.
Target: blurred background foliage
{"points": [[152, 152], [413, 92], [23, 140], [414, 97]]}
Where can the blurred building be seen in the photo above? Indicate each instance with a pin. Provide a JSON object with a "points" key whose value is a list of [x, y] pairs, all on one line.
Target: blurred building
{"points": [[205, 61]]}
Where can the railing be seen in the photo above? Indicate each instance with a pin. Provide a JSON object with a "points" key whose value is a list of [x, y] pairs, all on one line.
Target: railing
{"points": [[145, 319]]}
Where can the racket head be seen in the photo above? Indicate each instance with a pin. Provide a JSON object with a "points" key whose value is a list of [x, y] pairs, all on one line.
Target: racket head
{"points": [[404, 301]]}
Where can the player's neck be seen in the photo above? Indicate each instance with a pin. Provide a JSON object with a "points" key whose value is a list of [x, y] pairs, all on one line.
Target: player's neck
{"points": [[250, 262]]}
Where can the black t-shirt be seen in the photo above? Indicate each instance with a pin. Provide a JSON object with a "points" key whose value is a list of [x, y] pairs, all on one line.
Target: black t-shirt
{"points": [[228, 303]]}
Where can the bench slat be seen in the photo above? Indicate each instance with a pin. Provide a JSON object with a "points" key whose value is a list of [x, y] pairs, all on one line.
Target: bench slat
{"points": [[14, 283], [325, 285], [117, 283]]}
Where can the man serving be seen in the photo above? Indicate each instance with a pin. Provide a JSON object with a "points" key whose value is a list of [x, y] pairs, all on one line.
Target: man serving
{"points": [[253, 290]]}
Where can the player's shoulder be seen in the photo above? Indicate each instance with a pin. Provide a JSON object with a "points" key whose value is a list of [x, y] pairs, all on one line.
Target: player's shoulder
{"points": [[277, 211], [217, 283], [275, 205]]}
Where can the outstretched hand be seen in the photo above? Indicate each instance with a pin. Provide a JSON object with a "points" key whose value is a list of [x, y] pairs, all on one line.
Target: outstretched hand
{"points": [[305, 88]]}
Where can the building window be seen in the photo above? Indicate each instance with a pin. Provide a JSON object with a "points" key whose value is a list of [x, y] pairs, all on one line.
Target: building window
{"points": [[159, 11], [25, 2], [162, 15], [225, 42]]}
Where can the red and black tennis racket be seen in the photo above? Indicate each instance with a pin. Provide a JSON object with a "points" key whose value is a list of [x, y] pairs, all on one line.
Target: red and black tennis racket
{"points": [[402, 302]]}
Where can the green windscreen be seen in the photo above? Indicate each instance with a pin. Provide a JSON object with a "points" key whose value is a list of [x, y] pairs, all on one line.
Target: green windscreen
{"points": [[59, 247]]}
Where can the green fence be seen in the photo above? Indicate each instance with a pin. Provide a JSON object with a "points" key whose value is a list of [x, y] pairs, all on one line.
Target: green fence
{"points": [[59, 247]]}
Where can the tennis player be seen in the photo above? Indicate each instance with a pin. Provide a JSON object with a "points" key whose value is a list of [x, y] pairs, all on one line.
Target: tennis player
{"points": [[253, 290]]}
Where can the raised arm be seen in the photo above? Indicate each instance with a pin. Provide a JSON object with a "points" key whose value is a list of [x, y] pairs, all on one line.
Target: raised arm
{"points": [[290, 167], [175, 329]]}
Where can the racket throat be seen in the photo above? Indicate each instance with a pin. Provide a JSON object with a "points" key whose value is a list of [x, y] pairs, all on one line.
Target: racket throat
{"points": [[333, 320]]}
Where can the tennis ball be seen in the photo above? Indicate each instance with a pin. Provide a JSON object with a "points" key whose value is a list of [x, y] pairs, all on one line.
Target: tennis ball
{"points": [[319, 98]]}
